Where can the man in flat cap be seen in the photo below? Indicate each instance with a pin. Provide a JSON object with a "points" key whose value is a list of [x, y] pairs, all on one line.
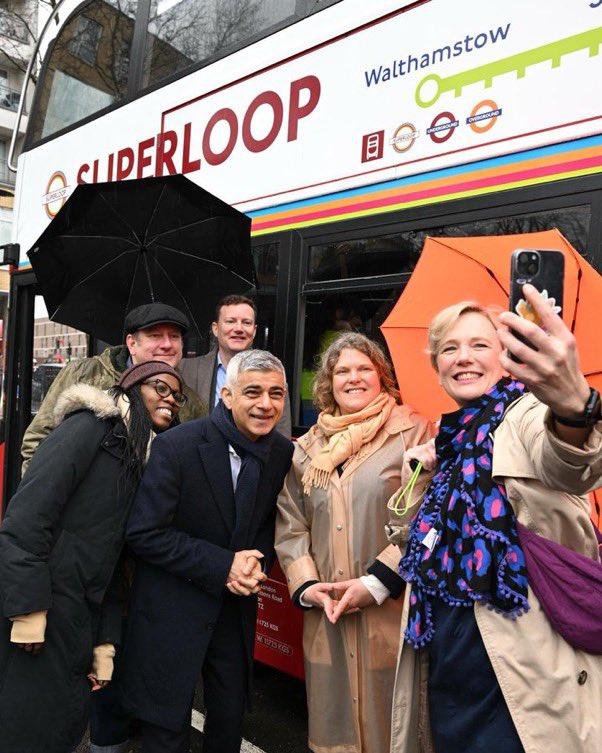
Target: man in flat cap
{"points": [[154, 331]]}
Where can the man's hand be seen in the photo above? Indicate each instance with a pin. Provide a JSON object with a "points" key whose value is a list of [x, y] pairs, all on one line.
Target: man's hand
{"points": [[321, 595], [245, 574], [96, 683], [353, 596], [31, 648]]}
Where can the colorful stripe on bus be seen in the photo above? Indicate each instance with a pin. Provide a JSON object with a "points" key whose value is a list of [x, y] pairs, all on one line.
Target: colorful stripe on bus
{"points": [[533, 167]]}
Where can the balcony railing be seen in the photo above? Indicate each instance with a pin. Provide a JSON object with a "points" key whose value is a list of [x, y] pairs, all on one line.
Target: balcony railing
{"points": [[7, 177], [9, 98]]}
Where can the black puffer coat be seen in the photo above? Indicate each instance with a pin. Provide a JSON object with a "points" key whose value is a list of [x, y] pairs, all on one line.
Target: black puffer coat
{"points": [[60, 543]]}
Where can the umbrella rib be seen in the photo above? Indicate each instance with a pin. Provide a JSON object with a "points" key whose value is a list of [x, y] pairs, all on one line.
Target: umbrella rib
{"points": [[125, 222], [179, 293], [183, 227], [100, 238], [154, 212], [203, 258], [476, 261]]}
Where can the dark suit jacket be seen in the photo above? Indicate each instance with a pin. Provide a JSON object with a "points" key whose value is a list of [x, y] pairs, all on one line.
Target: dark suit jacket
{"points": [[180, 528], [199, 375]]}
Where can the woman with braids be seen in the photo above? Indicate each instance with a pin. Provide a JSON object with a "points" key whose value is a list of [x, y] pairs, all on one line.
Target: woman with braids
{"points": [[482, 669], [60, 544], [331, 543]]}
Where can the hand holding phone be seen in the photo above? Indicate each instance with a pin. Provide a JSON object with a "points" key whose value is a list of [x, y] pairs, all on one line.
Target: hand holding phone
{"points": [[549, 364], [544, 269]]}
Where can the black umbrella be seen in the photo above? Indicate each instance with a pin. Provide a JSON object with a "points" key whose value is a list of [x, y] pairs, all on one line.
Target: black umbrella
{"points": [[115, 246]]}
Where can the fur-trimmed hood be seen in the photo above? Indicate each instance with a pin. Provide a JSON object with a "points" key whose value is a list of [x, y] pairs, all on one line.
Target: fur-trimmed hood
{"points": [[83, 396]]}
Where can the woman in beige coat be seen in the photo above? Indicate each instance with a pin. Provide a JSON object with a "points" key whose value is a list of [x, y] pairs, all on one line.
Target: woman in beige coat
{"points": [[470, 679], [330, 532]]}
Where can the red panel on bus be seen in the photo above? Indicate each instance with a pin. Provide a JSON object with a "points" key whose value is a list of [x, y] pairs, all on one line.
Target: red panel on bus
{"points": [[279, 627]]}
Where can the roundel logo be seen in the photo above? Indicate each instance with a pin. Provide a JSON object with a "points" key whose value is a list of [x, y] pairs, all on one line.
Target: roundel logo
{"points": [[56, 194]]}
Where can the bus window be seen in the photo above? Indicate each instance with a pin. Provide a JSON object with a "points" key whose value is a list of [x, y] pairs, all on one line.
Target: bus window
{"points": [[266, 269], [364, 257], [88, 67], [54, 346], [182, 33], [265, 257], [331, 315], [344, 307]]}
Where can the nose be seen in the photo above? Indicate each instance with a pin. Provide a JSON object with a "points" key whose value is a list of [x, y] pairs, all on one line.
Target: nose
{"points": [[165, 342], [265, 401], [354, 375], [464, 353]]}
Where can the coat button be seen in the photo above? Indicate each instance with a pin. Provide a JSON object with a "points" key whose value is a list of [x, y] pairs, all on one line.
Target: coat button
{"points": [[351, 654], [582, 677], [210, 626], [340, 572], [339, 527]]}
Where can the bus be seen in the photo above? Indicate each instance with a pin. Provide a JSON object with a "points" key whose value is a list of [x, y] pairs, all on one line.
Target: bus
{"points": [[348, 130]]}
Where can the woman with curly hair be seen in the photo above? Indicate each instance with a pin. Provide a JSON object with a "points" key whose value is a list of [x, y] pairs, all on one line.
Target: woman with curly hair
{"points": [[330, 540]]}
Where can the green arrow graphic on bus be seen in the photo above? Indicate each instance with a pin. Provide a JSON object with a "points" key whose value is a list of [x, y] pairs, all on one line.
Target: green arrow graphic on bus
{"points": [[553, 51]]}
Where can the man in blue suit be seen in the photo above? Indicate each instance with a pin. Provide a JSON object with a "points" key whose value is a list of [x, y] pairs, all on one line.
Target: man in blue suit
{"points": [[202, 526]]}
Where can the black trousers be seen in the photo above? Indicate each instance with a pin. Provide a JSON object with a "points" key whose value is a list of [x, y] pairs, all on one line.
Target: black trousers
{"points": [[225, 682]]}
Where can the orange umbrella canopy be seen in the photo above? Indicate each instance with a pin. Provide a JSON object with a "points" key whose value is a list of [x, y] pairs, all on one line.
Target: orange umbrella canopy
{"points": [[478, 269]]}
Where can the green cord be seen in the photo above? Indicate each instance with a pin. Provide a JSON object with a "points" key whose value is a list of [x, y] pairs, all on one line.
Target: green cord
{"points": [[407, 492]]}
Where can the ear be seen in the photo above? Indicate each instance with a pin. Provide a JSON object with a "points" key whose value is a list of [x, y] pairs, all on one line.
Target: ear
{"points": [[226, 395], [214, 328], [130, 341]]}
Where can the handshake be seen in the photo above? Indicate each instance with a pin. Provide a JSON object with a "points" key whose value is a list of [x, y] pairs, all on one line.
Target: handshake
{"points": [[246, 574]]}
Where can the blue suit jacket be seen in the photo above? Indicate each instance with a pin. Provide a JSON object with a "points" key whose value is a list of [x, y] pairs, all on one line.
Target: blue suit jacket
{"points": [[180, 528]]}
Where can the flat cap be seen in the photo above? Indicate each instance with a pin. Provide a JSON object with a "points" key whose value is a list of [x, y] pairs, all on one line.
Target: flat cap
{"points": [[151, 314]]}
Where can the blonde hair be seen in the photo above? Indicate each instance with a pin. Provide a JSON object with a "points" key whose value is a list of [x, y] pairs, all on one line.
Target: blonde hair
{"points": [[447, 317], [322, 388]]}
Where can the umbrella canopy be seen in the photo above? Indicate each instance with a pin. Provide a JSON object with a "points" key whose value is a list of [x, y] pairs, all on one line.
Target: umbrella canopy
{"points": [[115, 246], [456, 269]]}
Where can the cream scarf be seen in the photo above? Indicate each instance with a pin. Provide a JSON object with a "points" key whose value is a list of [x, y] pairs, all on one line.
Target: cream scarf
{"points": [[347, 438]]}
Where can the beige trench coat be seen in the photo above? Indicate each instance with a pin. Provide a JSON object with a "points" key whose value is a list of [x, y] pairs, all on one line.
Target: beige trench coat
{"points": [[335, 535], [553, 691]]}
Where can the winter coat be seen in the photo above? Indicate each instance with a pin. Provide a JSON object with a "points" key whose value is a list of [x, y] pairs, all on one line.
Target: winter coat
{"points": [[553, 691], [102, 371], [181, 529], [59, 546], [335, 535]]}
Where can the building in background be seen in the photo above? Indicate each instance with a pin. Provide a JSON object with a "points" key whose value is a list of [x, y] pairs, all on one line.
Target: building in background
{"points": [[57, 343]]}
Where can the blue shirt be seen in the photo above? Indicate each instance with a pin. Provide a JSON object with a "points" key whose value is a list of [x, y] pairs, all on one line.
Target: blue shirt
{"points": [[220, 379]]}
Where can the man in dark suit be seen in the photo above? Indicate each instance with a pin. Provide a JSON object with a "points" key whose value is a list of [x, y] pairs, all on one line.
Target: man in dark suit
{"points": [[202, 526], [234, 330]]}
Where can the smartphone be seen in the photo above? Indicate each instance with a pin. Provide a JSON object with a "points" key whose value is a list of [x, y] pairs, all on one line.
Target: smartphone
{"points": [[544, 270]]}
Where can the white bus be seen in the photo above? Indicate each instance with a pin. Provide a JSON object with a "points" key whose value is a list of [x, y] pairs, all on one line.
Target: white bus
{"points": [[348, 131]]}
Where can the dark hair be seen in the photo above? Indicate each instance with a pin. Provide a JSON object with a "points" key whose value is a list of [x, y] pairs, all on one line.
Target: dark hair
{"points": [[139, 428], [234, 300]]}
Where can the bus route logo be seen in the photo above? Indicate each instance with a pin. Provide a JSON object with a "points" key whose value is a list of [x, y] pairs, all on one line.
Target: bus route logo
{"points": [[56, 194]]}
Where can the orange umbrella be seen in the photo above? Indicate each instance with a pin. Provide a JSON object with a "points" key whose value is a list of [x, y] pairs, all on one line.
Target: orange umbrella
{"points": [[458, 269]]}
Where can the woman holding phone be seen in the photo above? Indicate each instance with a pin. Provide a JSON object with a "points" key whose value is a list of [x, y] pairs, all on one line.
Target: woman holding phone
{"points": [[481, 668]]}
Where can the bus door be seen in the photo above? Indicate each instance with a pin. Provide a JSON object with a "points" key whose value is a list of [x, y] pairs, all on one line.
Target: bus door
{"points": [[36, 349]]}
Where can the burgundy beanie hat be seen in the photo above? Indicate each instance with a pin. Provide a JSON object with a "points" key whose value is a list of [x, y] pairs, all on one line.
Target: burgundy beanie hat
{"points": [[145, 370]]}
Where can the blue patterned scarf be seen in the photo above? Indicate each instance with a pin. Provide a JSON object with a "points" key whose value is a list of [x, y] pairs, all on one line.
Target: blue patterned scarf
{"points": [[463, 544]]}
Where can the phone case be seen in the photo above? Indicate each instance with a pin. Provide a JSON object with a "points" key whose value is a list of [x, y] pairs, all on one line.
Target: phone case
{"points": [[549, 280]]}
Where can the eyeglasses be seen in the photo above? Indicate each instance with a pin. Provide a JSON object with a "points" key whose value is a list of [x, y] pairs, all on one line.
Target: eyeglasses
{"points": [[164, 390]]}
